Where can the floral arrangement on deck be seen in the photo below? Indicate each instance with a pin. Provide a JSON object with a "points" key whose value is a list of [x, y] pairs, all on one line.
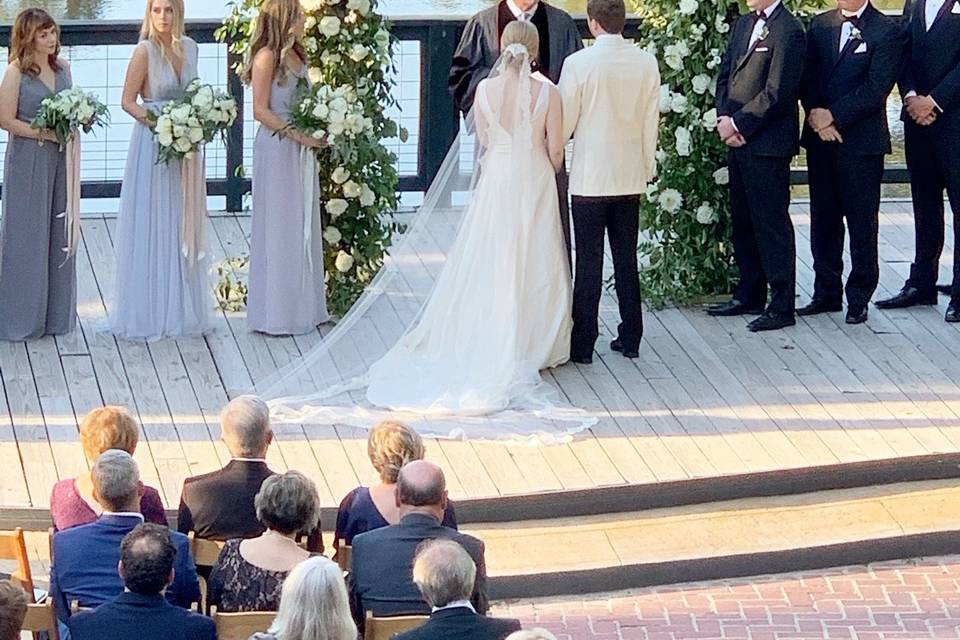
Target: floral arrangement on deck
{"points": [[685, 216], [70, 111], [184, 125], [350, 53]]}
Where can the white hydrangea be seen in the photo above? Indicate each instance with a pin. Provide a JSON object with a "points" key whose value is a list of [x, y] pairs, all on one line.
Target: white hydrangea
{"points": [[332, 235], [720, 24], [337, 207], [722, 176], [701, 83], [688, 7], [706, 214], [670, 200], [682, 136], [344, 262]]}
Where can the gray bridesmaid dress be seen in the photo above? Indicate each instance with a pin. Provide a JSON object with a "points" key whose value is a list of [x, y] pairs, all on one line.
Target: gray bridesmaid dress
{"points": [[38, 285]]}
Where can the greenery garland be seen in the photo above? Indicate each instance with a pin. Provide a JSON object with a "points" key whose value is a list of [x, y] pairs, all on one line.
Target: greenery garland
{"points": [[348, 44], [687, 251]]}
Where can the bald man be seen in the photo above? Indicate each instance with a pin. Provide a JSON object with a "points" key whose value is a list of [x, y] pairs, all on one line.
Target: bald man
{"points": [[381, 563]]}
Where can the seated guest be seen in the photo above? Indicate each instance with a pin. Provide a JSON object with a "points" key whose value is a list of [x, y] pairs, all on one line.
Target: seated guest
{"points": [[382, 561], [85, 558], [537, 633], [390, 445], [219, 505], [13, 609], [249, 573], [147, 559], [445, 574], [313, 606], [72, 502]]}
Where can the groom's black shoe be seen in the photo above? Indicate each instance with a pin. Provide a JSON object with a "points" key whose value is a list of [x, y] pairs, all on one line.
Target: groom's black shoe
{"points": [[733, 308], [581, 359], [617, 346], [819, 306], [909, 296], [771, 322]]}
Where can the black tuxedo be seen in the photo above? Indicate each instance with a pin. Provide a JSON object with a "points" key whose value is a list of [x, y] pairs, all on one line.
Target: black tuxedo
{"points": [[845, 177], [932, 68], [758, 87], [463, 624], [219, 505], [132, 615], [381, 567]]}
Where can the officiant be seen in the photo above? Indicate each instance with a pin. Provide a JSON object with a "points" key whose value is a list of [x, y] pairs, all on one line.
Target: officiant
{"points": [[479, 49]]}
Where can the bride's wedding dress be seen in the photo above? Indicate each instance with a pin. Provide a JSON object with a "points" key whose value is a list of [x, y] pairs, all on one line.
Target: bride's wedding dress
{"points": [[468, 362]]}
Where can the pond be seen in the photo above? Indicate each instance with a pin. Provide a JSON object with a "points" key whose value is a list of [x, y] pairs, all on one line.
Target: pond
{"points": [[133, 9]]}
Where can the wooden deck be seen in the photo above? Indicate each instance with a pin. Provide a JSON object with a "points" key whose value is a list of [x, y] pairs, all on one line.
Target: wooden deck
{"points": [[706, 398]]}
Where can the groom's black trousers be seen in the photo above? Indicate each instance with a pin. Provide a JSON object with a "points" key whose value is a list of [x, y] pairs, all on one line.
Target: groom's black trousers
{"points": [[620, 216]]}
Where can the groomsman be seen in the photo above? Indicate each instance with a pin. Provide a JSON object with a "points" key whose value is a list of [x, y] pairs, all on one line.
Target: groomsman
{"points": [[757, 92], [611, 105], [930, 86], [853, 57]]}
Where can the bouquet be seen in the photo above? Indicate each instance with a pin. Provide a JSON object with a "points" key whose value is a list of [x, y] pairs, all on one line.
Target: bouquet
{"points": [[334, 114], [186, 124], [69, 111]]}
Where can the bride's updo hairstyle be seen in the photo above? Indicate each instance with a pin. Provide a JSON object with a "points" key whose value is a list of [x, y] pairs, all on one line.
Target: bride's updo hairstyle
{"points": [[519, 33]]}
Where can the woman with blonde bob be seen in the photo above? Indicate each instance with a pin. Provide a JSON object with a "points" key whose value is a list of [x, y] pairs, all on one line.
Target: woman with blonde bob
{"points": [[161, 288], [390, 445], [38, 281], [287, 294], [313, 605]]}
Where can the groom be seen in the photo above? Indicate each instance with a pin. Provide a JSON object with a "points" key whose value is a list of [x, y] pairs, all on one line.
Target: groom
{"points": [[611, 96]]}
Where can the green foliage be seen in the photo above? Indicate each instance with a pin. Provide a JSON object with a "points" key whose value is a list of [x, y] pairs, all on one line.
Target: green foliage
{"points": [[348, 45], [685, 216]]}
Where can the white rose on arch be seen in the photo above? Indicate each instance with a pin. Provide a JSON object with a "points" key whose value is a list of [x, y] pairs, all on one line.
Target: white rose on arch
{"points": [[689, 7], [329, 26], [337, 207], [332, 235], [315, 75], [706, 214], [360, 6], [311, 5], [344, 262], [351, 189], [358, 52], [701, 83], [678, 103], [666, 98], [340, 175], [367, 196], [722, 176], [682, 137], [709, 120]]}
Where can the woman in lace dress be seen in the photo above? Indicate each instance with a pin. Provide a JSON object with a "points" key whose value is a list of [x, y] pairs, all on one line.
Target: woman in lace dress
{"points": [[287, 294], [38, 282], [249, 574], [159, 291]]}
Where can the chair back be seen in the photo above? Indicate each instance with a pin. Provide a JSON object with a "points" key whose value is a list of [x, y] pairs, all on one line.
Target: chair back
{"points": [[343, 557], [240, 626], [205, 555], [41, 617], [14, 547], [385, 628]]}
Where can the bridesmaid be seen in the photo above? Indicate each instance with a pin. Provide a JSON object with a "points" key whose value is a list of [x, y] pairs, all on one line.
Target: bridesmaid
{"points": [[38, 283], [286, 294], [159, 291]]}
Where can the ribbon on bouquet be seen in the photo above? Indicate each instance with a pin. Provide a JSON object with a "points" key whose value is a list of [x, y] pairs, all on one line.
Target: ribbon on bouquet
{"points": [[193, 222], [71, 214], [311, 201]]}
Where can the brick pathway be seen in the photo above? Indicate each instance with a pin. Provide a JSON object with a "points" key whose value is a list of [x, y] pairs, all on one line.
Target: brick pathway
{"points": [[904, 599]]}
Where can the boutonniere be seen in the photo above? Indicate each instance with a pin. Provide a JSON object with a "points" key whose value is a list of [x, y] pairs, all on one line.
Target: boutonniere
{"points": [[855, 34], [764, 32]]}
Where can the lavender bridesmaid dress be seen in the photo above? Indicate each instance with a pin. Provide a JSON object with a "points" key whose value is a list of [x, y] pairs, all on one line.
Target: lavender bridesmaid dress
{"points": [[286, 292]]}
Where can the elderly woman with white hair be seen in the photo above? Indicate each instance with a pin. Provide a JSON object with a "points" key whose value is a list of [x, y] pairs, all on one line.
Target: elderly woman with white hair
{"points": [[313, 606], [249, 573]]}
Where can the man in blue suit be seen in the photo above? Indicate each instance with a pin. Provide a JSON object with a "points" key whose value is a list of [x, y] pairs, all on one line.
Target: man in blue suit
{"points": [[85, 558], [147, 566]]}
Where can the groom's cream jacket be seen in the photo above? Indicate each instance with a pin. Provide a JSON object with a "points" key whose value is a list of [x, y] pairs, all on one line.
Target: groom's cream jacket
{"points": [[611, 107]]}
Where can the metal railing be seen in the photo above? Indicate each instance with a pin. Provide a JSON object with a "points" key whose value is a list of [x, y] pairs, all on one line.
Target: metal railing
{"points": [[426, 46]]}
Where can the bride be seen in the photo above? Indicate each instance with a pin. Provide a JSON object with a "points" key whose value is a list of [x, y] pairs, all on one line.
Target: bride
{"points": [[468, 364]]}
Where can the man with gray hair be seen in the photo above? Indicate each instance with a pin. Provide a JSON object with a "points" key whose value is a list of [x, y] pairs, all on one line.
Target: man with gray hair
{"points": [[86, 557], [444, 573], [381, 571], [219, 505]]}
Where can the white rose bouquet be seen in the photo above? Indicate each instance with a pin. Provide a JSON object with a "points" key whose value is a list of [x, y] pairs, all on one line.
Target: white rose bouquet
{"points": [[186, 124], [331, 114], [68, 112]]}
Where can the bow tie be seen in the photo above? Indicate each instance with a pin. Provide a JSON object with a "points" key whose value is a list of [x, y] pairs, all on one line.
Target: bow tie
{"points": [[759, 16], [853, 20]]}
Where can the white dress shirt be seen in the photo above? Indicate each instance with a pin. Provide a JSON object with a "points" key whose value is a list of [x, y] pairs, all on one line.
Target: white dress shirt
{"points": [[758, 28], [124, 514], [454, 605], [520, 14], [847, 27], [932, 9]]}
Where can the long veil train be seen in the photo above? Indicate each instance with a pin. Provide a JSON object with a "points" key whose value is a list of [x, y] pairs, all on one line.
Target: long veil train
{"points": [[427, 333]]}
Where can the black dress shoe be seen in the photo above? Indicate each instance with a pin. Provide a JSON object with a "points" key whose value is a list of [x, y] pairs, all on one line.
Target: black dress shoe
{"points": [[819, 306], [771, 322], [856, 315], [733, 308], [908, 297], [953, 311], [617, 346], [582, 359], [945, 289]]}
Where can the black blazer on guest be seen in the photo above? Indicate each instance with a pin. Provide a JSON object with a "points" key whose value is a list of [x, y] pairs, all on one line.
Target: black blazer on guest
{"points": [[219, 505], [932, 60], [759, 86], [462, 624], [381, 567], [853, 86], [131, 615]]}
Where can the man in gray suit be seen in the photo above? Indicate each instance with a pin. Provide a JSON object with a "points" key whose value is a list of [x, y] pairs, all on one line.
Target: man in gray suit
{"points": [[381, 562]]}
